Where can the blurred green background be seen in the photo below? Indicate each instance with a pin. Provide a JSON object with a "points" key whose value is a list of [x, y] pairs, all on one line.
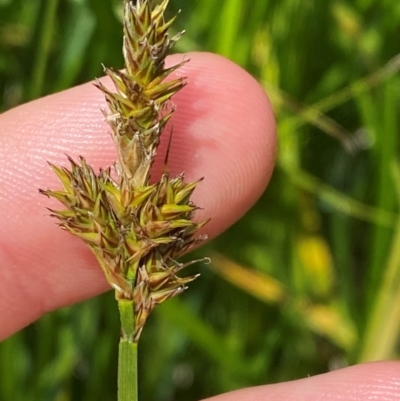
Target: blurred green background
{"points": [[309, 280]]}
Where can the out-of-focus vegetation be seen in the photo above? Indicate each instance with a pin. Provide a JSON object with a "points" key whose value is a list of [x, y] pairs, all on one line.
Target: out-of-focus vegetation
{"points": [[309, 279]]}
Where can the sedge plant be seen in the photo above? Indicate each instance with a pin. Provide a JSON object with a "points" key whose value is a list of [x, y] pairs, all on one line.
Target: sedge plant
{"points": [[136, 228]]}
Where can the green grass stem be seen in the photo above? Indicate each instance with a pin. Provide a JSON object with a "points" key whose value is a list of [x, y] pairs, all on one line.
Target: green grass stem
{"points": [[43, 49], [127, 354], [383, 325]]}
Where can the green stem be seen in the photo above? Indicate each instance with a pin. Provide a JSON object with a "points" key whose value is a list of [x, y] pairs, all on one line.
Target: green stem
{"points": [[383, 326], [44, 48], [127, 355]]}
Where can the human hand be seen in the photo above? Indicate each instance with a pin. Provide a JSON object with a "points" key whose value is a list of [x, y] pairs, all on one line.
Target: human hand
{"points": [[223, 130]]}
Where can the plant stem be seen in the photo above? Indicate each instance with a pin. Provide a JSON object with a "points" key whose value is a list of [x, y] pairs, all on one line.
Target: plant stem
{"points": [[43, 51], [383, 327], [127, 355]]}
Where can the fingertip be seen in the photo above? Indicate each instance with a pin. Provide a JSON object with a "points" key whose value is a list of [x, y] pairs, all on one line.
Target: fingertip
{"points": [[226, 131], [370, 381], [223, 131]]}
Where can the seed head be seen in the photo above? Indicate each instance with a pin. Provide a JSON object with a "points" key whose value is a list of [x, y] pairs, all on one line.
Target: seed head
{"points": [[136, 230]]}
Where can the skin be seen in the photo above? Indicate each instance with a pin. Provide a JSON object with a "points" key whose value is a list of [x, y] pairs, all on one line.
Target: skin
{"points": [[223, 130]]}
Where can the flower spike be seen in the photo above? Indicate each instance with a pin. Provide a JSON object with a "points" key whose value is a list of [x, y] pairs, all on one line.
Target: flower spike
{"points": [[136, 230]]}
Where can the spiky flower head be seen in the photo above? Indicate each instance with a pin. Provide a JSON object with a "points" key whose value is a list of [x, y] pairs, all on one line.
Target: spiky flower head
{"points": [[135, 229]]}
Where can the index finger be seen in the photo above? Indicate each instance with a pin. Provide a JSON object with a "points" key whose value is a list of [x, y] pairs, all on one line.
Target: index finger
{"points": [[223, 129]]}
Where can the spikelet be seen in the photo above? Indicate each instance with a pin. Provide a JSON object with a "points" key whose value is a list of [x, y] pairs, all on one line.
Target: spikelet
{"points": [[135, 229]]}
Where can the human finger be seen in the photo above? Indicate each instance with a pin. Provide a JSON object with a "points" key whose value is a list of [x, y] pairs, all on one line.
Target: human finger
{"points": [[223, 129], [367, 382]]}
